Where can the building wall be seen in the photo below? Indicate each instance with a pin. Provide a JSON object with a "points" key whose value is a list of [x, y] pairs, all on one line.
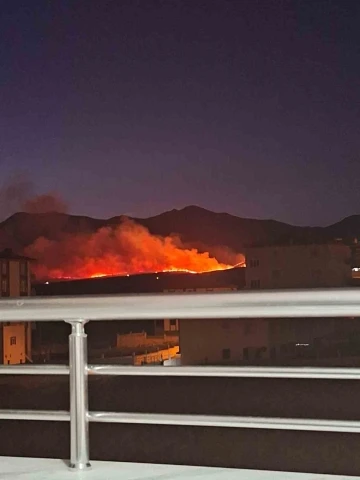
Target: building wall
{"points": [[166, 327], [288, 334], [171, 325], [15, 277], [14, 344], [219, 341], [298, 266], [215, 341]]}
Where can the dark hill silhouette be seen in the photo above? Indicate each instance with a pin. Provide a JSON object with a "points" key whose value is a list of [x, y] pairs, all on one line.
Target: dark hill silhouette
{"points": [[349, 228], [194, 225]]}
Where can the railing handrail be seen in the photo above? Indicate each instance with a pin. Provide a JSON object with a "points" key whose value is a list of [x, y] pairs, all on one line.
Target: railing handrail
{"points": [[264, 304], [241, 304], [308, 373]]}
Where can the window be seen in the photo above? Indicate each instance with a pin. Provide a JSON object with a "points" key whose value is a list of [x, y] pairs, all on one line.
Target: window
{"points": [[173, 322], [4, 267], [254, 262], [12, 340], [255, 284], [23, 287], [23, 269], [5, 288], [226, 354]]}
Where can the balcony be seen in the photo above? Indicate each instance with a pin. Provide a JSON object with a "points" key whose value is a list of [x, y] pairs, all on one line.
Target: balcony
{"points": [[337, 435]]}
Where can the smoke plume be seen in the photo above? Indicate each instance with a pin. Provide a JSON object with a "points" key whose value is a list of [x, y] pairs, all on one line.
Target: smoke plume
{"points": [[18, 194], [49, 202], [128, 249]]}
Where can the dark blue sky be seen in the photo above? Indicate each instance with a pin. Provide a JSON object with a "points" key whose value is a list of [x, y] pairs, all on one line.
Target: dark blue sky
{"points": [[140, 106]]}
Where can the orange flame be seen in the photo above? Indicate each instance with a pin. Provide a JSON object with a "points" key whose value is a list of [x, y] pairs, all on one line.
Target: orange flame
{"points": [[128, 249]]}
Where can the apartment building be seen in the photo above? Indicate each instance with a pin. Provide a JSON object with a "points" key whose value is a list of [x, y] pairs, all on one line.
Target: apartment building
{"points": [[15, 338], [226, 341], [298, 266]]}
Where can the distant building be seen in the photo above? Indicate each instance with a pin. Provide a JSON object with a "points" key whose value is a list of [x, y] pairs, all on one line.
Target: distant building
{"points": [[200, 338], [171, 326], [227, 341], [257, 341], [222, 341], [15, 338], [298, 266], [355, 263]]}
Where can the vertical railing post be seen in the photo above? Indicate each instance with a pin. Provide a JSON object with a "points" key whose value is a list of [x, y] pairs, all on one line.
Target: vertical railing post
{"points": [[79, 425]]}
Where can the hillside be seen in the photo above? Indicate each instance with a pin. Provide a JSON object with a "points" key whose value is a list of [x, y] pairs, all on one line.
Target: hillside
{"points": [[194, 225]]}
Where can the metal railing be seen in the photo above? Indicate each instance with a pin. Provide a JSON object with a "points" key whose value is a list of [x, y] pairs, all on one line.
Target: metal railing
{"points": [[79, 310]]}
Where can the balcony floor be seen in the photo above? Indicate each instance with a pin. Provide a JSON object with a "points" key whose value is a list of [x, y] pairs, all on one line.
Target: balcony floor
{"points": [[12, 468]]}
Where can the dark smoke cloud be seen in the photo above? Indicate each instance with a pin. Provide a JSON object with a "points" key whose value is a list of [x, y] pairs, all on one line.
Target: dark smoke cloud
{"points": [[18, 194]]}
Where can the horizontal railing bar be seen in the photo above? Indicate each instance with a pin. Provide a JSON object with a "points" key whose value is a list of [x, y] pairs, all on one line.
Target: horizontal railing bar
{"points": [[326, 373], [228, 422], [344, 426], [34, 370], [244, 304], [43, 415]]}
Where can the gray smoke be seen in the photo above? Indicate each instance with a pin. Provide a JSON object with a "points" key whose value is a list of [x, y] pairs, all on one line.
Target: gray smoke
{"points": [[18, 194]]}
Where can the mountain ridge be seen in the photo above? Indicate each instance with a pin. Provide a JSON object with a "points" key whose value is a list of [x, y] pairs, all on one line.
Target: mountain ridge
{"points": [[194, 225]]}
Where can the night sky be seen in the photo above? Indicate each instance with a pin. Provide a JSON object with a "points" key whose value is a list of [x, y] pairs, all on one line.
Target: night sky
{"points": [[140, 106]]}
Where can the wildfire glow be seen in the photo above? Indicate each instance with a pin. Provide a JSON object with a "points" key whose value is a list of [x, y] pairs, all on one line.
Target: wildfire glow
{"points": [[127, 250]]}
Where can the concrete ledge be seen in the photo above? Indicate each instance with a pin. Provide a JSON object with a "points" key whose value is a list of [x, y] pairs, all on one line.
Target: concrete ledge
{"points": [[12, 468]]}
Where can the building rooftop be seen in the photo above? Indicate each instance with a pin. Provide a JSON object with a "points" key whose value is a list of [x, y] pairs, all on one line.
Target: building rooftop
{"points": [[8, 254], [14, 468]]}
